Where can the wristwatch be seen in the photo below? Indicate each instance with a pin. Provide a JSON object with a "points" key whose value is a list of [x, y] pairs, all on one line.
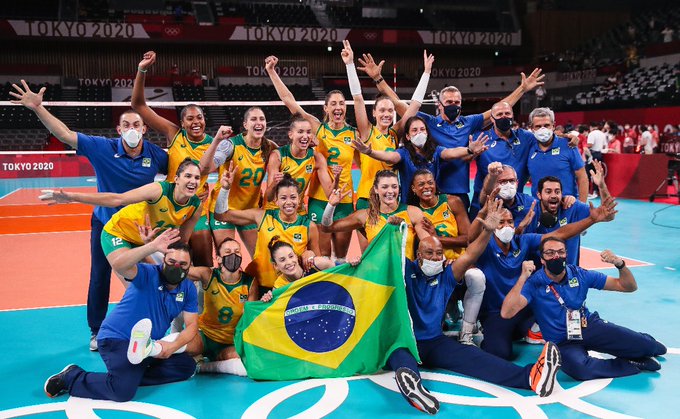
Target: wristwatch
{"points": [[623, 265], [379, 80]]}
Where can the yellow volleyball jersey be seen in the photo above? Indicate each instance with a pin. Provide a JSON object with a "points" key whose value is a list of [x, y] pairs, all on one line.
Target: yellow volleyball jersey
{"points": [[295, 233], [371, 166], [445, 224], [164, 213], [301, 169], [245, 190], [223, 307], [181, 148], [372, 230], [336, 147], [281, 281]]}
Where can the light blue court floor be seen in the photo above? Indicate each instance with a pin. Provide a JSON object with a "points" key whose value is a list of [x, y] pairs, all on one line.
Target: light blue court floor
{"points": [[39, 342]]}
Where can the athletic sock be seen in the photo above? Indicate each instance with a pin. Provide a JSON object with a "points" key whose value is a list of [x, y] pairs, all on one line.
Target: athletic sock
{"points": [[230, 366]]}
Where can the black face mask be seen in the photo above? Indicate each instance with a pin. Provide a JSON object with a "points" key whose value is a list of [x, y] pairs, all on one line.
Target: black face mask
{"points": [[173, 274], [452, 112], [231, 262], [503, 124], [547, 219], [556, 266]]}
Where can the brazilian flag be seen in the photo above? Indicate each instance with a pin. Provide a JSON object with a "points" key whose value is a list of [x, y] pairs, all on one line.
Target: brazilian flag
{"points": [[335, 323]]}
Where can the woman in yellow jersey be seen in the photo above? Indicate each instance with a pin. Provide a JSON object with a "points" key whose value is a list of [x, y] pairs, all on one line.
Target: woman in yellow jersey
{"points": [[383, 135], [284, 221], [226, 290], [187, 140], [163, 205], [334, 139], [288, 266], [445, 215], [300, 160], [383, 206], [249, 152]]}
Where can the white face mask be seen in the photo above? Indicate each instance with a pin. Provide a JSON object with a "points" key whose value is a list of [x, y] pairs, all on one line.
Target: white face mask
{"points": [[132, 137], [543, 135], [432, 267], [505, 234], [419, 139], [508, 191]]}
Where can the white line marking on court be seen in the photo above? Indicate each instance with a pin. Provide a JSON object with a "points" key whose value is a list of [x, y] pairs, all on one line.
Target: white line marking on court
{"points": [[669, 268], [674, 351], [4, 310], [10, 193], [621, 256], [45, 232]]}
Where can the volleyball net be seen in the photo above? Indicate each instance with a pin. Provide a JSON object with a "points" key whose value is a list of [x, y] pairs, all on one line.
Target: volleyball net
{"points": [[28, 150]]}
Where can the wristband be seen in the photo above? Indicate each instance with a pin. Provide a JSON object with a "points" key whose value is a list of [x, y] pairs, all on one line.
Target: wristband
{"points": [[379, 80], [623, 265], [141, 70]]}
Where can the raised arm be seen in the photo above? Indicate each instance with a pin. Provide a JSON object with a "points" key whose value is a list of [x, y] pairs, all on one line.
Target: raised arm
{"points": [[597, 176], [514, 301], [604, 213], [222, 211], [626, 281], [33, 101], [391, 157], [373, 70], [126, 262], [149, 116], [209, 163], [494, 169], [354, 221], [285, 95], [527, 84], [476, 247], [418, 94], [148, 192], [363, 124]]}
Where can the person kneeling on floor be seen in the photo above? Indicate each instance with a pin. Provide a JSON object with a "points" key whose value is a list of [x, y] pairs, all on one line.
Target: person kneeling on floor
{"points": [[131, 339]]}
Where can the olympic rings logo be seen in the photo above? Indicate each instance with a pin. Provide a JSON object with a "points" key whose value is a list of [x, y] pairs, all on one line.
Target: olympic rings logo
{"points": [[172, 31]]}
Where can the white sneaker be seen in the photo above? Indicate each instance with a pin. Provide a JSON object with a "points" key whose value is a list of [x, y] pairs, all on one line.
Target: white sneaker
{"points": [[93, 343], [140, 344]]}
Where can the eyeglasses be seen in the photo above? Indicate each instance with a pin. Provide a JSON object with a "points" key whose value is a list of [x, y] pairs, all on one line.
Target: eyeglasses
{"points": [[552, 253]]}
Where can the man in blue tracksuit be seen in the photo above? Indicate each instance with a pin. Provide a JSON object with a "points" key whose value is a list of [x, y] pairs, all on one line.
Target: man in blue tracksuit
{"points": [[557, 293], [121, 164], [131, 339], [429, 285]]}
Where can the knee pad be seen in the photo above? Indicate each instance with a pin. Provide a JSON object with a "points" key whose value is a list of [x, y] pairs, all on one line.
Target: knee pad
{"points": [[475, 280]]}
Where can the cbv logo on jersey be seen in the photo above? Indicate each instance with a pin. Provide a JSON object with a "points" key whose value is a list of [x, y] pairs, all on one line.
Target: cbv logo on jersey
{"points": [[573, 282]]}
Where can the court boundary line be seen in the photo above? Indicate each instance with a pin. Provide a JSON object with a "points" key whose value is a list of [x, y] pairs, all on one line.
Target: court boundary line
{"points": [[10, 193], [645, 263]]}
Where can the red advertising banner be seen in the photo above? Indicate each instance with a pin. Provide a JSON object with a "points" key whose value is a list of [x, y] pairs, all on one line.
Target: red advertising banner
{"points": [[169, 30], [17, 166], [657, 116]]}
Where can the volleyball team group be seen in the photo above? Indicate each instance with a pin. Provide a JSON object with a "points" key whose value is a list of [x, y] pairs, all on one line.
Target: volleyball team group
{"points": [[511, 258]]}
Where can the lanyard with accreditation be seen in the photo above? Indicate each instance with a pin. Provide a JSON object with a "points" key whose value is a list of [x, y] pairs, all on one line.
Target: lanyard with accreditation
{"points": [[576, 319]]}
